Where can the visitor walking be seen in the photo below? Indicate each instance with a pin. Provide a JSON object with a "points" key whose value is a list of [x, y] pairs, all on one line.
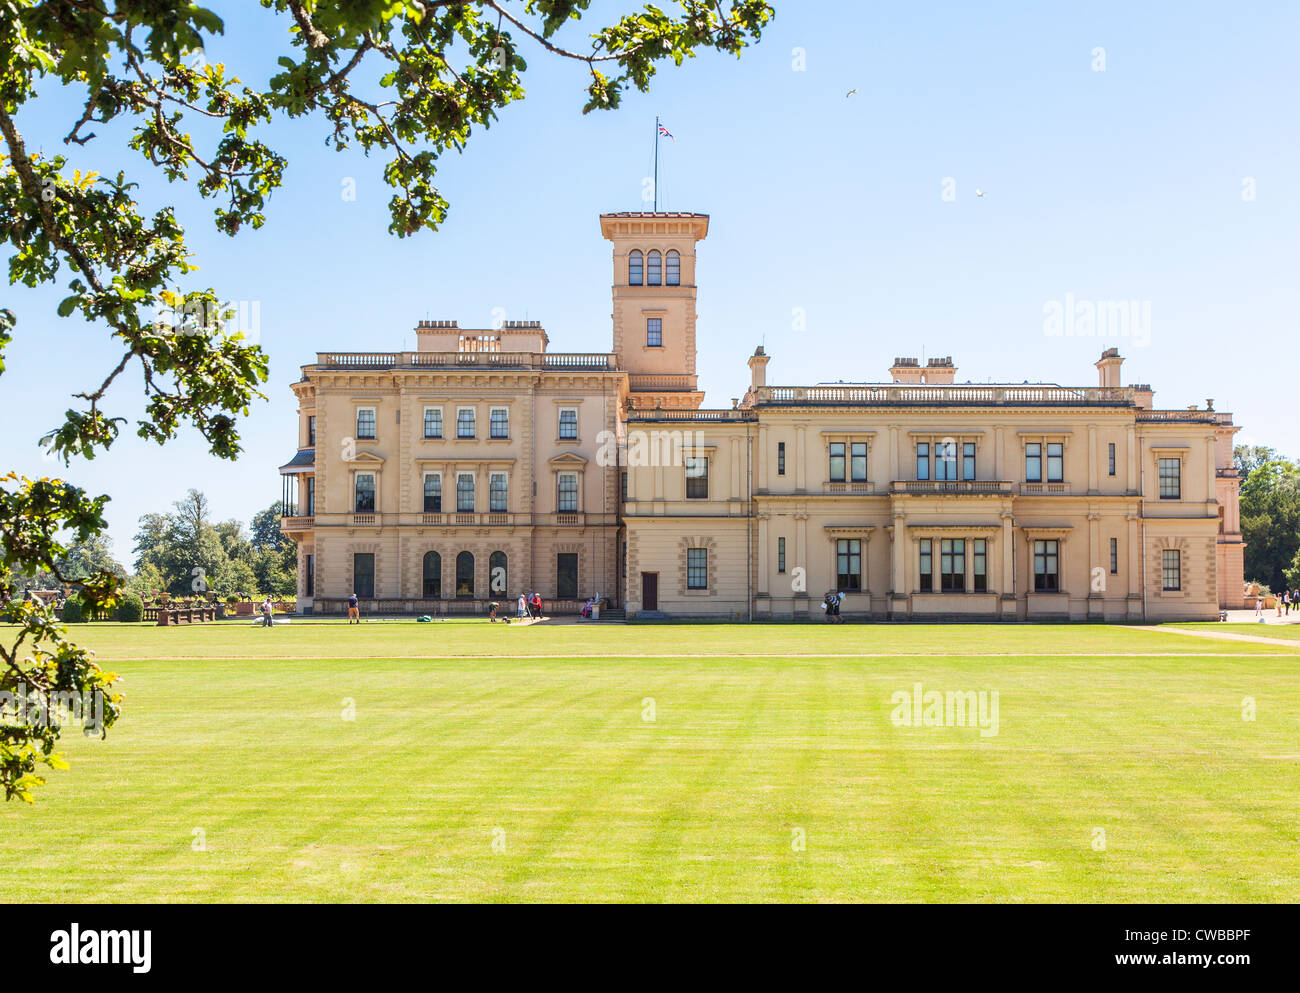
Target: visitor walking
{"points": [[537, 605], [523, 606], [1286, 603], [1259, 607], [354, 609], [266, 613]]}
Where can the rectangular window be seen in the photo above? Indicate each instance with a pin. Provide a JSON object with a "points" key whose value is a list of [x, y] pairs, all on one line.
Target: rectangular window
{"points": [[433, 422], [623, 484], [1171, 482], [923, 460], [433, 493], [780, 555], [499, 423], [952, 565], [697, 568], [569, 423], [1046, 570], [1033, 463], [309, 581], [927, 565], [968, 460], [465, 422], [465, 492], [566, 575], [1171, 570], [837, 461], [1114, 556], [567, 498], [1110, 457], [365, 493], [697, 478], [366, 423], [498, 488], [858, 470], [1055, 462], [945, 460], [780, 458], [311, 496], [654, 332], [363, 574], [979, 565], [311, 431], [848, 564]]}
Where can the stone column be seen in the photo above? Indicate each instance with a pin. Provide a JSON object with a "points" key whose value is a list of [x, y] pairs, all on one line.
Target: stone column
{"points": [[800, 471], [1134, 480], [1008, 584], [1092, 458]]}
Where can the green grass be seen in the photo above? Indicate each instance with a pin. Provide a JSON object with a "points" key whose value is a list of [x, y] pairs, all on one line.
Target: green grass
{"points": [[1141, 736], [1286, 632]]}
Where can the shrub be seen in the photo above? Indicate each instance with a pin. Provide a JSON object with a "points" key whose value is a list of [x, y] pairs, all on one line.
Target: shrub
{"points": [[72, 612], [131, 609]]}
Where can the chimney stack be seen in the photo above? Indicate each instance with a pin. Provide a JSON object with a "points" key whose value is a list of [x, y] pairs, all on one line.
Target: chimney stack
{"points": [[758, 368], [1108, 368], [940, 371]]}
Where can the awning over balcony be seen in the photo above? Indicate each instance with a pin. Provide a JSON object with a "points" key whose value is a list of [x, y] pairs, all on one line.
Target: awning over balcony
{"points": [[303, 461]]}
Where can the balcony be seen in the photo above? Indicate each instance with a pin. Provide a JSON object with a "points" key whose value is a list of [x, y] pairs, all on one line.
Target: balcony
{"points": [[584, 361], [925, 395], [1041, 489], [847, 488], [451, 519], [953, 487], [288, 524]]}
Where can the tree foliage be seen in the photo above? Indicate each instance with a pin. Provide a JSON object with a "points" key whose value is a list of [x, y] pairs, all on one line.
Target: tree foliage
{"points": [[1270, 516], [443, 67]]}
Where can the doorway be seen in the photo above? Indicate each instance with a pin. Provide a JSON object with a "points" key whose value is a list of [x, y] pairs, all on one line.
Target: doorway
{"points": [[649, 591]]}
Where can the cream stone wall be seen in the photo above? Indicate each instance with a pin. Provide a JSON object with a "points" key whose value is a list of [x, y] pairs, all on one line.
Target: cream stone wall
{"points": [[774, 518]]}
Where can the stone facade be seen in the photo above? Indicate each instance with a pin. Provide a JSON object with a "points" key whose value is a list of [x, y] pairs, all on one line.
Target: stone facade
{"points": [[917, 496]]}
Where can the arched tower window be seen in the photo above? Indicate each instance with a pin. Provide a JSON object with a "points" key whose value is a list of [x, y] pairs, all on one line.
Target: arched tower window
{"points": [[634, 266], [432, 575], [465, 574], [674, 268], [654, 269]]}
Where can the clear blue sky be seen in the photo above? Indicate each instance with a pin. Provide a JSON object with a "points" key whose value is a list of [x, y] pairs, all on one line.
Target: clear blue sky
{"points": [[1117, 185]]}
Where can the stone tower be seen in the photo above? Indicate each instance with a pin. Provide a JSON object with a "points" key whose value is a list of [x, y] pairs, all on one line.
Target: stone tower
{"points": [[654, 305]]}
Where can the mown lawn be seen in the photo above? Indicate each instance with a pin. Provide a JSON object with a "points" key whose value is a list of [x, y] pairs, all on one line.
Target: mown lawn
{"points": [[1288, 632], [759, 737]]}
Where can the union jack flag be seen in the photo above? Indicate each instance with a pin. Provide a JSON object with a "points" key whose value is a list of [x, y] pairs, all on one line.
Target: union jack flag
{"points": [[663, 131]]}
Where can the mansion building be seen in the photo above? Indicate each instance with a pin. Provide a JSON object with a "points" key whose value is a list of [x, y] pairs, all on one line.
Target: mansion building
{"points": [[483, 465]]}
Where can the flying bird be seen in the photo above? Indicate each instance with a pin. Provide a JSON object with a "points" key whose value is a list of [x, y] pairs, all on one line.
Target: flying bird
{"points": [[850, 93], [979, 192]]}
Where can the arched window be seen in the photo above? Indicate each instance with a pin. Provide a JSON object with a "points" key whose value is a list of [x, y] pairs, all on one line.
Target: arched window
{"points": [[465, 574], [674, 268], [634, 268], [655, 269], [432, 575], [497, 579]]}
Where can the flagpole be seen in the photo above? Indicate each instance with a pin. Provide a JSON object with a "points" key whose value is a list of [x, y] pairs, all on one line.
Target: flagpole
{"points": [[656, 164]]}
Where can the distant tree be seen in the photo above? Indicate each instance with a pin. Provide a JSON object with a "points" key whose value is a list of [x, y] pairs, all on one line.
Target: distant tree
{"points": [[1270, 514], [1247, 458], [237, 576], [183, 546], [265, 528]]}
